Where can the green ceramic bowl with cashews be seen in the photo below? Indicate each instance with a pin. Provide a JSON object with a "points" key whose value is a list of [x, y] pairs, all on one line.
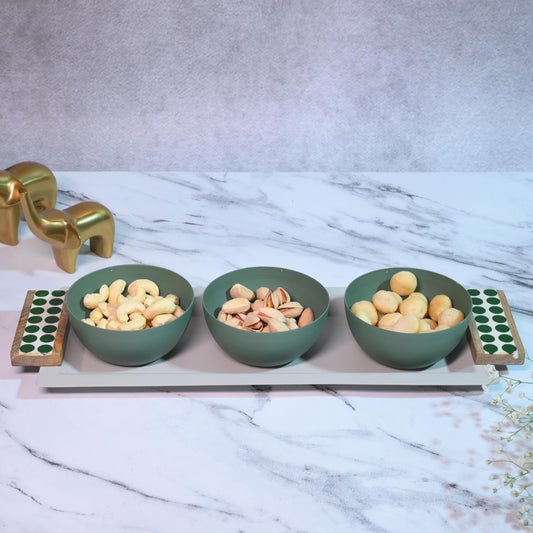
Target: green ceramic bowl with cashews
{"points": [[129, 346], [407, 351], [267, 348]]}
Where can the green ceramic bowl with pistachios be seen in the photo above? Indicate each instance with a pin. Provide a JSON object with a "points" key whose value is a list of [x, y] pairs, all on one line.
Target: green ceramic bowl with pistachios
{"points": [[129, 348], [407, 351], [260, 348]]}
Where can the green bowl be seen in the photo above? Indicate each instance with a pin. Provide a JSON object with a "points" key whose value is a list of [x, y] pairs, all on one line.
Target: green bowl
{"points": [[129, 348], [408, 351], [259, 348]]}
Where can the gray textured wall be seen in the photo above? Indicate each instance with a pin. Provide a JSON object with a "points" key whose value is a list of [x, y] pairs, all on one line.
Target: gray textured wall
{"points": [[280, 85]]}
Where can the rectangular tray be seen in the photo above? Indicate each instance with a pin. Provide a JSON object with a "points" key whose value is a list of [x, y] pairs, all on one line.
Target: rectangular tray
{"points": [[197, 361]]}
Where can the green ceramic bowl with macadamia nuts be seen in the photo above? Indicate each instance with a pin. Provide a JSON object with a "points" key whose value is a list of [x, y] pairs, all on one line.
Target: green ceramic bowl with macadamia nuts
{"points": [[407, 351], [133, 347], [254, 343]]}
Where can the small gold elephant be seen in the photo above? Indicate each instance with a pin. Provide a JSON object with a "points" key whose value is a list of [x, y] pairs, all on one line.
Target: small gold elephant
{"points": [[67, 230], [38, 180]]}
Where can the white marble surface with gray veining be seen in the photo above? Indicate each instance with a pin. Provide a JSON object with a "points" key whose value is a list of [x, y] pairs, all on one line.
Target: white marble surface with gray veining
{"points": [[269, 459]]}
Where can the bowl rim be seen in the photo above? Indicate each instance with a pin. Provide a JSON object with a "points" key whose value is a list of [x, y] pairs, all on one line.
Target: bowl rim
{"points": [[386, 332]]}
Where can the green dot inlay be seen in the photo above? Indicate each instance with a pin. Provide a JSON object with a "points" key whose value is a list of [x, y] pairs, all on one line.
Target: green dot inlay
{"points": [[51, 319], [31, 329], [505, 338], [41, 293], [502, 328], [493, 301], [478, 310], [487, 338], [484, 328], [477, 301], [35, 319], [490, 348], [26, 348], [509, 348], [45, 348], [499, 318], [496, 310], [58, 293], [39, 301], [490, 292], [46, 338], [481, 319], [29, 338], [473, 292], [37, 310], [55, 310], [56, 301], [49, 329]]}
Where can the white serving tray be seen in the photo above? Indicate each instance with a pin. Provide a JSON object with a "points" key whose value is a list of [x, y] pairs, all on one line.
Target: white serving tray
{"points": [[197, 361]]}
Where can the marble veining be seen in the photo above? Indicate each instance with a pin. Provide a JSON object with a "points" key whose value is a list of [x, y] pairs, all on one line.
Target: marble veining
{"points": [[269, 459]]}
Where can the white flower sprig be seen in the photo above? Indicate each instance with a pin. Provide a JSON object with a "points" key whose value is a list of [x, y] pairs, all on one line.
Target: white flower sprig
{"points": [[516, 429]]}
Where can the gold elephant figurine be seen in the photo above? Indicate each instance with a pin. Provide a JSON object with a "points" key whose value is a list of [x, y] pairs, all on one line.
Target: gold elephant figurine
{"points": [[67, 230], [38, 180]]}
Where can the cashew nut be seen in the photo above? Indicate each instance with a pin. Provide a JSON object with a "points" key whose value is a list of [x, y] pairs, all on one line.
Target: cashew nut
{"points": [[96, 315], [164, 318], [174, 298], [136, 321], [89, 321], [90, 301], [148, 300], [131, 305], [102, 323], [147, 285], [109, 311], [160, 307], [115, 290]]}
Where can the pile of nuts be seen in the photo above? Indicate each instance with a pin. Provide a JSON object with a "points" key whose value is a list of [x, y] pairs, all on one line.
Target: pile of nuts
{"points": [[263, 310], [413, 314], [142, 308]]}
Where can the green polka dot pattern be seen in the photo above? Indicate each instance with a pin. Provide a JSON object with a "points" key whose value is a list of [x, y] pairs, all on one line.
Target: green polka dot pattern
{"points": [[40, 331], [491, 322]]}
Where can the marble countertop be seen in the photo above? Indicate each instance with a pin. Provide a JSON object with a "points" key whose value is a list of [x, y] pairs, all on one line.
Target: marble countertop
{"points": [[269, 459]]}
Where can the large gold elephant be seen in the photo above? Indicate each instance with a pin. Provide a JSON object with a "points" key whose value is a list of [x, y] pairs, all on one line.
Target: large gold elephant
{"points": [[38, 180]]}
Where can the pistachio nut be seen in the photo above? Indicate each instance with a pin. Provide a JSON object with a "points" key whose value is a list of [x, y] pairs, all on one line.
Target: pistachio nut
{"points": [[291, 309], [236, 305], [257, 304], [240, 291], [262, 293], [252, 322], [283, 295], [306, 317], [276, 325], [272, 300], [266, 314]]}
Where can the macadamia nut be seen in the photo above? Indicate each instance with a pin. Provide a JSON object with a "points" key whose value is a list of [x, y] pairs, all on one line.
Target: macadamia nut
{"points": [[407, 324], [389, 320], [403, 283], [386, 301], [450, 317], [414, 305], [438, 304], [368, 309]]}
